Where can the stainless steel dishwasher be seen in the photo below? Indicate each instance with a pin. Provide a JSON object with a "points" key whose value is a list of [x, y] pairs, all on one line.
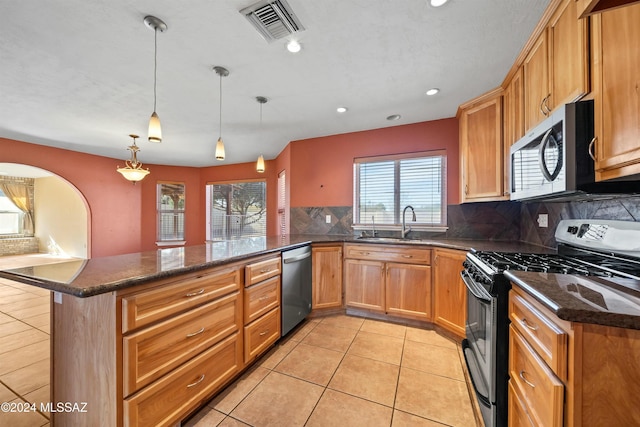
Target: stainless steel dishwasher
{"points": [[296, 287]]}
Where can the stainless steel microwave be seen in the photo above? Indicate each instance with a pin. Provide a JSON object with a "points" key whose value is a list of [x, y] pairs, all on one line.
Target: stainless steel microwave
{"points": [[554, 160]]}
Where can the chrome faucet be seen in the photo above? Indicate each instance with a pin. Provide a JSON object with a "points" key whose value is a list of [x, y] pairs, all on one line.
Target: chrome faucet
{"points": [[404, 226], [373, 221]]}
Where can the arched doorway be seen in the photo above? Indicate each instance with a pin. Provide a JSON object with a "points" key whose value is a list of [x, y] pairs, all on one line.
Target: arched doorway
{"points": [[61, 216]]}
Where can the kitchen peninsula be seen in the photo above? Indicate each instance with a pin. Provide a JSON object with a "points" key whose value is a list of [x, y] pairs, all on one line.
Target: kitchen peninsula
{"points": [[126, 332]]}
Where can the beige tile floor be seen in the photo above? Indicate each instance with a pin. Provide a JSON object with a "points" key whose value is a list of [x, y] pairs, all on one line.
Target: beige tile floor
{"points": [[24, 344], [347, 371]]}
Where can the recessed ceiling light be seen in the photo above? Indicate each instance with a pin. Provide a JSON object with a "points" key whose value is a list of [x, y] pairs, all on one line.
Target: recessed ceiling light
{"points": [[342, 109], [293, 46], [394, 117], [433, 91], [437, 3]]}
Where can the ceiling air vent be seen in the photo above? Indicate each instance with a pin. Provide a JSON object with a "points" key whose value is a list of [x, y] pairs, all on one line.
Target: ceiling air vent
{"points": [[273, 19]]}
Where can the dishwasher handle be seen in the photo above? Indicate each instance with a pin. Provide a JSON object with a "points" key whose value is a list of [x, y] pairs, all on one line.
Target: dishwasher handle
{"points": [[296, 258]]}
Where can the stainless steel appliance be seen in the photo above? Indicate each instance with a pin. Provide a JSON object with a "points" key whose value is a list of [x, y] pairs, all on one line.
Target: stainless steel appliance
{"points": [[586, 247], [556, 159], [296, 287]]}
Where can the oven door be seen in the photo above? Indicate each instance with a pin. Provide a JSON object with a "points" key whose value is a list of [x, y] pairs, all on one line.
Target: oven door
{"points": [[481, 338]]}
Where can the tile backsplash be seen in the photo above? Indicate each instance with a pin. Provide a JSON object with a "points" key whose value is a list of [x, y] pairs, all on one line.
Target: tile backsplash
{"points": [[489, 220]]}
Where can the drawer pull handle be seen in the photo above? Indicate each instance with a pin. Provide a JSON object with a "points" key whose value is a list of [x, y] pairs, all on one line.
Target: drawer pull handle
{"points": [[265, 270], [526, 324], [264, 333], [198, 381], [194, 294], [193, 334], [407, 256], [264, 298], [529, 383]]}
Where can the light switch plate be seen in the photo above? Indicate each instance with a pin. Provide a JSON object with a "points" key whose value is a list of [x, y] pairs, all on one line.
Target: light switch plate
{"points": [[328, 219], [543, 220], [57, 297]]}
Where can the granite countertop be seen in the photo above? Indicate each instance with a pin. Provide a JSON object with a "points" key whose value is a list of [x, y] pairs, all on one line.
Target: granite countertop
{"points": [[88, 277], [603, 301]]}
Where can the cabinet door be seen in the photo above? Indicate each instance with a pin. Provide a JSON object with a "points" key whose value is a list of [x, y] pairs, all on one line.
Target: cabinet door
{"points": [[327, 276], [364, 284], [482, 152], [569, 66], [513, 104], [617, 92], [536, 82], [408, 290], [450, 293]]}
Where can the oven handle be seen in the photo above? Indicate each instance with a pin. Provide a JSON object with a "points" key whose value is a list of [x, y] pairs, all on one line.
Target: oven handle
{"points": [[477, 291]]}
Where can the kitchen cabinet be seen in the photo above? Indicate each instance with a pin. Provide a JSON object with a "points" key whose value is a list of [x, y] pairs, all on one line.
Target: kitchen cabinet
{"points": [[589, 7], [151, 353], [481, 149], [513, 111], [449, 291], [556, 67], [568, 373], [327, 276], [616, 81], [395, 280], [262, 296]]}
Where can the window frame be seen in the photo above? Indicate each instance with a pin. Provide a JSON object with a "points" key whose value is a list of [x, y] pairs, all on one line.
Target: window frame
{"points": [[159, 213], [208, 201], [368, 225]]}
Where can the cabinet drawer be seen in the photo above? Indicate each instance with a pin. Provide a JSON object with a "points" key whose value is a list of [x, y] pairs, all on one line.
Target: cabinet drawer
{"points": [[518, 416], [172, 397], [548, 339], [155, 304], [260, 334], [388, 253], [261, 298], [154, 351], [261, 270], [542, 392]]}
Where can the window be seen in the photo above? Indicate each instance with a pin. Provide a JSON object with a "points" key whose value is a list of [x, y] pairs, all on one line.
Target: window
{"points": [[236, 210], [385, 185], [10, 216], [171, 212]]}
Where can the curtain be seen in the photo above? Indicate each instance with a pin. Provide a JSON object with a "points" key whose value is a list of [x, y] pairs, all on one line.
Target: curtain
{"points": [[18, 193]]}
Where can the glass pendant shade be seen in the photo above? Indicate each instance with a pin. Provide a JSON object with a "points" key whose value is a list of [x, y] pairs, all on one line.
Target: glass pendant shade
{"points": [[132, 171], [220, 149], [155, 131], [260, 164]]}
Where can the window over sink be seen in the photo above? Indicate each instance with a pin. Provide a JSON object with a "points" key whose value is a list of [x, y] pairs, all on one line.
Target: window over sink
{"points": [[385, 185]]}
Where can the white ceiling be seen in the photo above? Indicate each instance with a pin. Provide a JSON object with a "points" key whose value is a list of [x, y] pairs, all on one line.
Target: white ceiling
{"points": [[78, 74]]}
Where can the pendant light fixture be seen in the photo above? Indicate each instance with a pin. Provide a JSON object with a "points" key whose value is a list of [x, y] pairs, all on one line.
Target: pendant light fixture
{"points": [[132, 171], [156, 24], [260, 163], [222, 72]]}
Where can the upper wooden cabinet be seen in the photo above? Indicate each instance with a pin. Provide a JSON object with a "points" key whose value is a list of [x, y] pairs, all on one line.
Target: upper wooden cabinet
{"points": [[556, 68], [589, 7], [481, 149], [513, 110], [616, 81]]}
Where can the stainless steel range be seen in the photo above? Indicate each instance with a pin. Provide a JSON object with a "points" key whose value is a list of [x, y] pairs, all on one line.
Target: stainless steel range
{"points": [[585, 247]]}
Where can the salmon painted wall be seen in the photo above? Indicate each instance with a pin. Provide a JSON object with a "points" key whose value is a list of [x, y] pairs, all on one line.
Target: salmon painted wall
{"points": [[113, 203], [322, 168], [238, 172]]}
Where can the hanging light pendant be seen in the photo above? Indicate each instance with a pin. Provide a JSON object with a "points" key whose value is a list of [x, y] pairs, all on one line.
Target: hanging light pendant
{"points": [[222, 72], [132, 171], [156, 24], [260, 163]]}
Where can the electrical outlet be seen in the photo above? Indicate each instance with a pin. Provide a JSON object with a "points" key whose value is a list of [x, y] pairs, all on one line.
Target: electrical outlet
{"points": [[543, 220], [328, 219]]}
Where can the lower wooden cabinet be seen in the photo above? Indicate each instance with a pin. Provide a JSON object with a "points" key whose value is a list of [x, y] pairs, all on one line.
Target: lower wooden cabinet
{"points": [[327, 276], [449, 291], [395, 280]]}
